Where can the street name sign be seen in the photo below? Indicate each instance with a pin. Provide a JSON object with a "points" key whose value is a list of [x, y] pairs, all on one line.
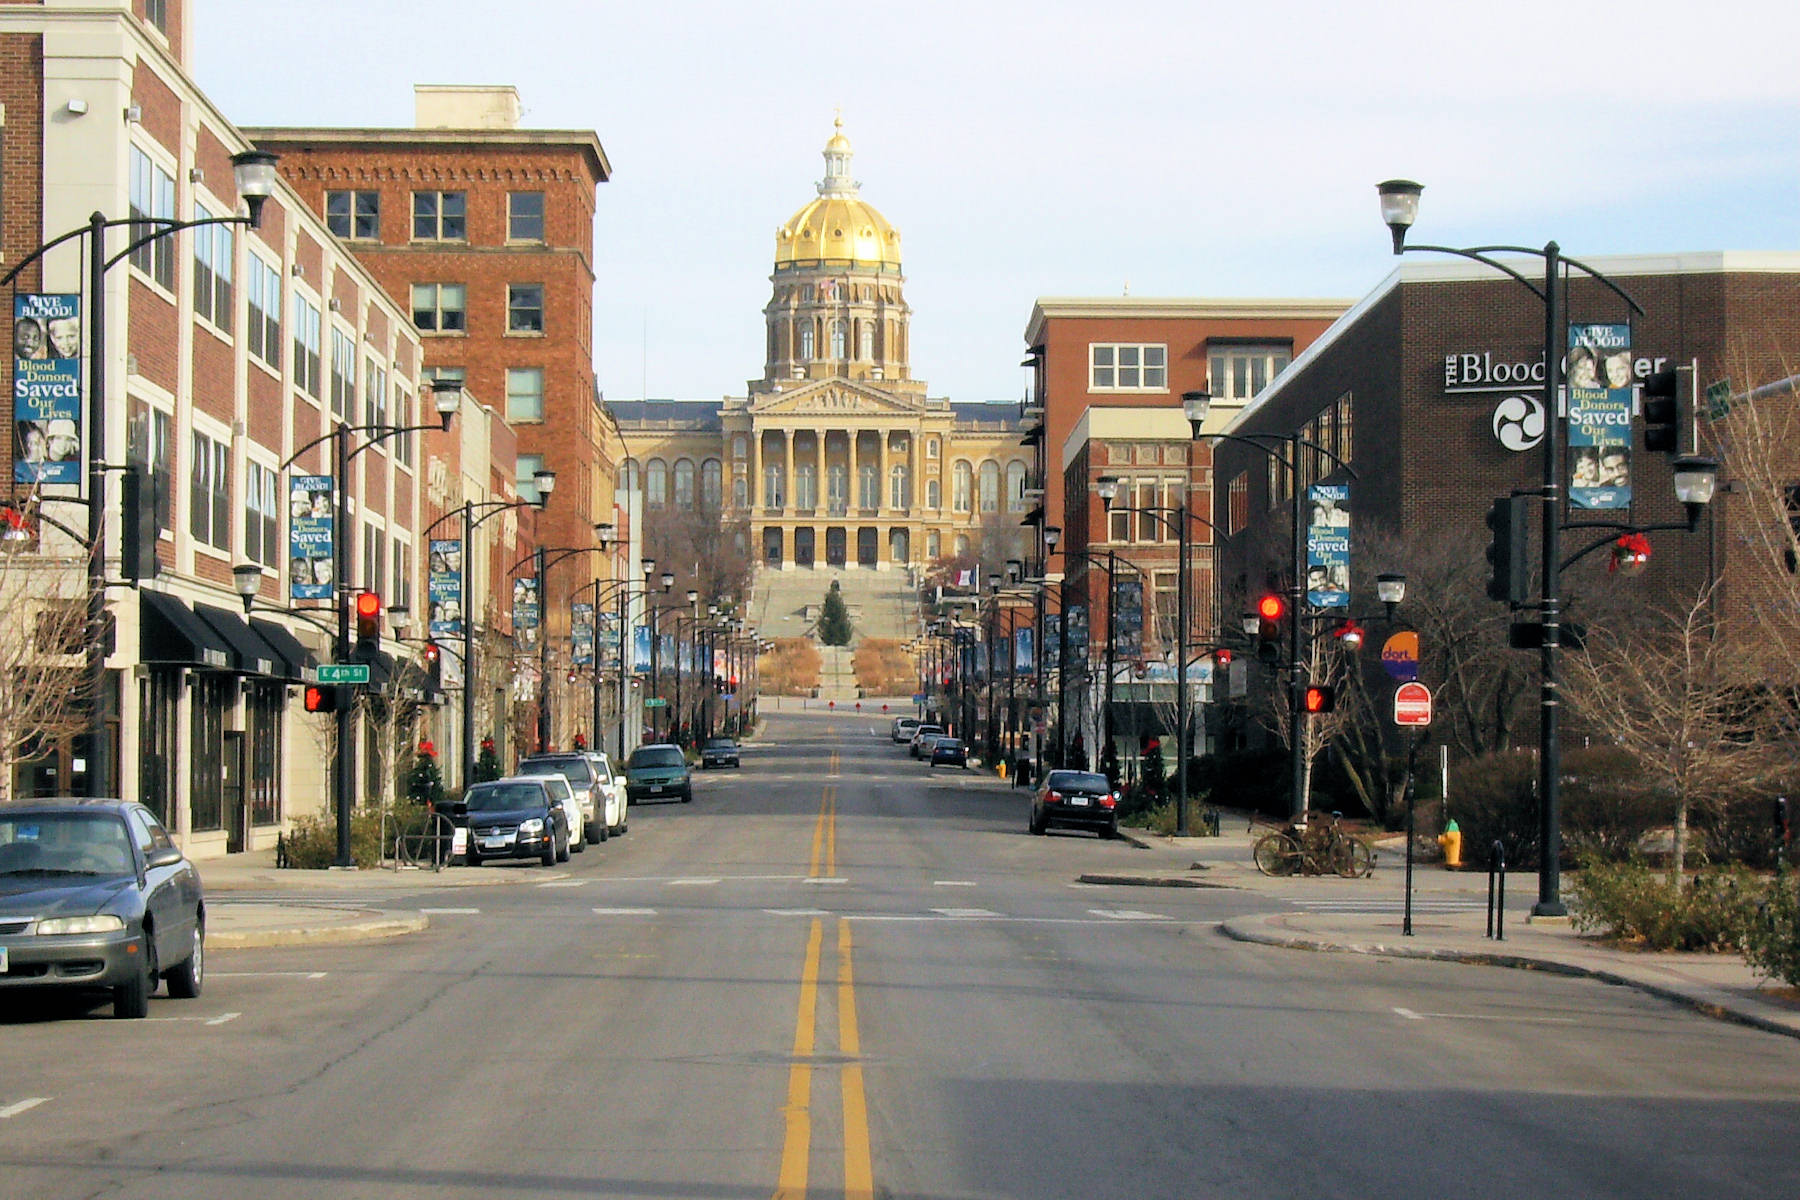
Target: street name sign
{"points": [[343, 672], [1412, 704]]}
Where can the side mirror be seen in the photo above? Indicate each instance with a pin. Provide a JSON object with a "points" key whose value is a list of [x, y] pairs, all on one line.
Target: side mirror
{"points": [[619, 781], [165, 856]]}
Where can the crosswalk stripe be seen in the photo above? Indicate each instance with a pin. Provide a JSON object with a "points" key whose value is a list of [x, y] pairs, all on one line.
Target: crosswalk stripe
{"points": [[797, 912], [625, 912], [450, 912], [692, 882], [19, 1106], [964, 912], [1126, 914]]}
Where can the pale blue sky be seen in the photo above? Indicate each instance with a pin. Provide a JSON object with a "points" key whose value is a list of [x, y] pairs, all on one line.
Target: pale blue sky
{"points": [[1071, 148]]}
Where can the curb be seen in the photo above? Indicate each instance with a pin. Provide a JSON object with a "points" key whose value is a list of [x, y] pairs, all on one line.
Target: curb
{"points": [[382, 925], [1237, 930]]}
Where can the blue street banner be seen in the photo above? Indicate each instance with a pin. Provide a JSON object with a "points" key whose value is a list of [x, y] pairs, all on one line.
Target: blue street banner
{"points": [[1003, 656], [1128, 618], [610, 627], [525, 612], [1599, 376], [443, 587], [1024, 652], [46, 388], [310, 546], [1078, 638], [640, 650], [1053, 642], [1328, 546], [581, 633]]}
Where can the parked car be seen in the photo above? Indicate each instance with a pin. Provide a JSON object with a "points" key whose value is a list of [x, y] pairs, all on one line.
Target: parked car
{"points": [[719, 752], [920, 734], [612, 788], [1077, 799], [577, 770], [904, 728], [658, 771], [949, 752], [95, 894], [520, 817]]}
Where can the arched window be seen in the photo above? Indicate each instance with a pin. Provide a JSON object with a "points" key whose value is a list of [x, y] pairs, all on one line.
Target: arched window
{"points": [[634, 478], [900, 489], [868, 492], [934, 495], [806, 342], [990, 486], [711, 482], [1015, 487], [931, 447], [868, 340], [740, 491], [840, 340], [962, 491], [656, 483], [684, 483]]}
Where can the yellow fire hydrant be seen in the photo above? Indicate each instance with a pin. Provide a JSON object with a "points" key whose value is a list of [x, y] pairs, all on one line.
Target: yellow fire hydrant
{"points": [[1002, 769], [1451, 842]]}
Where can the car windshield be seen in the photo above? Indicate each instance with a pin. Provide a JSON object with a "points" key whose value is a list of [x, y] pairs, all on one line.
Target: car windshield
{"points": [[569, 768], [505, 797], [89, 843], [948, 744], [657, 756], [928, 730], [720, 744], [1077, 781]]}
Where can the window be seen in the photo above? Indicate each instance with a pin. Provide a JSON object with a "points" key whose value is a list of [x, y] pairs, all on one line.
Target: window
{"points": [[306, 346], [209, 498], [869, 486], [962, 489], [990, 486], [1126, 367], [374, 558], [525, 469], [806, 342], [403, 576], [1015, 487], [375, 394], [525, 393], [439, 307], [1236, 373], [152, 196], [900, 488], [262, 515], [933, 544], [157, 13], [264, 332], [343, 373], [656, 483], [931, 448], [772, 486], [840, 340], [934, 495], [711, 483], [1346, 448], [213, 254], [837, 489], [440, 216], [525, 308], [405, 416], [151, 437], [1237, 504], [740, 491], [524, 216], [633, 480], [684, 483], [1118, 521], [740, 447], [867, 340], [354, 215]]}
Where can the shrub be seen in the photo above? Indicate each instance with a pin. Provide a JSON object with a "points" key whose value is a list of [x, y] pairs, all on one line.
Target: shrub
{"points": [[1142, 812], [1741, 827], [312, 841], [884, 669], [1772, 938], [791, 668], [1493, 798], [1607, 804], [1629, 900]]}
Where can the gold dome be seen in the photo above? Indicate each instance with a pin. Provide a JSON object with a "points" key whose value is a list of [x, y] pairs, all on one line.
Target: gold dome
{"points": [[839, 226]]}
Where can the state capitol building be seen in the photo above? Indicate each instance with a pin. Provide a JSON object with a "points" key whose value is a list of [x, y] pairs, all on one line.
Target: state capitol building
{"points": [[836, 456]]}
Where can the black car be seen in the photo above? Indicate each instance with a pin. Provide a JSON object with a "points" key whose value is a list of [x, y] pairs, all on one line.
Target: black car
{"points": [[1076, 799], [719, 752], [658, 772], [516, 818], [949, 752], [95, 894]]}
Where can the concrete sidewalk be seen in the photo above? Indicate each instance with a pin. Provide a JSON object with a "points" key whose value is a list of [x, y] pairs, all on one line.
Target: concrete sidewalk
{"points": [[1366, 916]]}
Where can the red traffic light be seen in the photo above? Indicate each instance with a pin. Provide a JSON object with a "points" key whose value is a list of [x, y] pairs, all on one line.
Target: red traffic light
{"points": [[1222, 657], [1271, 607], [368, 619], [432, 652], [368, 604]]}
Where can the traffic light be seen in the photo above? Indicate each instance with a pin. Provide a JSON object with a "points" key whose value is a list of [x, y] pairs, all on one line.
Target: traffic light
{"points": [[1662, 412], [1269, 612], [1222, 658], [137, 525], [1506, 520], [321, 698], [1320, 699], [368, 624], [434, 665]]}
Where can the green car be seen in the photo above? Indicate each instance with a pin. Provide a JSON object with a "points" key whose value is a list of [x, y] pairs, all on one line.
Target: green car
{"points": [[658, 772]]}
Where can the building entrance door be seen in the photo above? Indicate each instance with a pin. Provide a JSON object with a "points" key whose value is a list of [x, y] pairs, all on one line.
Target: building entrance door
{"points": [[237, 796], [835, 544], [772, 547], [803, 547], [868, 545]]}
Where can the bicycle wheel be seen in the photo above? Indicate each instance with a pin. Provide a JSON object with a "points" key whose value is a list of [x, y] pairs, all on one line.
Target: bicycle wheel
{"points": [[1358, 859], [1277, 854]]}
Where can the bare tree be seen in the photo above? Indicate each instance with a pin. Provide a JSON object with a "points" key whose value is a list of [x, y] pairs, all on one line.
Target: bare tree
{"points": [[704, 551], [45, 690]]}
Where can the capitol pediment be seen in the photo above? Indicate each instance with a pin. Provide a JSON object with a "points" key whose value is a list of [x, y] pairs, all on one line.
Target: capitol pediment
{"points": [[833, 399]]}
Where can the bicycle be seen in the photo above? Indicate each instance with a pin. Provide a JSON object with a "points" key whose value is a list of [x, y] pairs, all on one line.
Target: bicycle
{"points": [[1321, 847], [428, 847]]}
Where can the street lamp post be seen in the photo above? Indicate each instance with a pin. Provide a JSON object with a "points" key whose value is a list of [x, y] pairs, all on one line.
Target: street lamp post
{"points": [[668, 581], [253, 173]]}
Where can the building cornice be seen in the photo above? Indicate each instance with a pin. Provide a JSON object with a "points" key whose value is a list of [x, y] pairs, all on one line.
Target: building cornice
{"points": [[585, 141], [1152, 308]]}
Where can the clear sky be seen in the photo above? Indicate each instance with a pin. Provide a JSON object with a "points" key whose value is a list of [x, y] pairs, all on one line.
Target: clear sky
{"points": [[1070, 148]]}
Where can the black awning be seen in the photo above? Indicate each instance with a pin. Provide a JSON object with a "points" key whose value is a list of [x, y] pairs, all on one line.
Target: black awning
{"points": [[381, 669], [295, 657], [171, 634], [254, 656]]}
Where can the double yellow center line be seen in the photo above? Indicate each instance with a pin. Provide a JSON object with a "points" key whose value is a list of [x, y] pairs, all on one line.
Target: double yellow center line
{"points": [[796, 1147]]}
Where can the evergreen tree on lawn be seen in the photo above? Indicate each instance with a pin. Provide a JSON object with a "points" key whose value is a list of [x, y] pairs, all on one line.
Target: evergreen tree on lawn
{"points": [[424, 782], [1153, 768], [834, 619], [487, 763]]}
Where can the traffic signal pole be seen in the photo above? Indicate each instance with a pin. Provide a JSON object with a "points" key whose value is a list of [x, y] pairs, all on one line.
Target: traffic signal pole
{"points": [[343, 775]]}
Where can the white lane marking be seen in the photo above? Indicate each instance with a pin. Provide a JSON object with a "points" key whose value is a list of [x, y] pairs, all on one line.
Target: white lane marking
{"points": [[1409, 1014], [797, 912], [1126, 914], [222, 1018], [625, 912], [693, 882], [450, 912], [1160, 923], [953, 883], [1444, 1016], [19, 1106], [964, 912], [682, 879], [1085, 887], [266, 974], [1380, 906], [826, 879], [565, 883]]}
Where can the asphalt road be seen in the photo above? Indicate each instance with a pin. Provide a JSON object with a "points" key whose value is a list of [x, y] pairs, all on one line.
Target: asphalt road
{"points": [[838, 974]]}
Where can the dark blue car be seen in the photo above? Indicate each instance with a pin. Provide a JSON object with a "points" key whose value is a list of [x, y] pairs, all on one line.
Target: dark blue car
{"points": [[516, 818]]}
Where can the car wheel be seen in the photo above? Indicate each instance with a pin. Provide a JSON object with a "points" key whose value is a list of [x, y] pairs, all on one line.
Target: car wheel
{"points": [[471, 858], [623, 826], [687, 797], [131, 1001], [1111, 832], [562, 849], [579, 845], [188, 977], [1037, 825], [549, 857], [602, 832]]}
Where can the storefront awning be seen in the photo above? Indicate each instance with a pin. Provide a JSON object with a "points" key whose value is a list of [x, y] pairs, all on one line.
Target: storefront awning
{"points": [[295, 657], [253, 655], [171, 635]]}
